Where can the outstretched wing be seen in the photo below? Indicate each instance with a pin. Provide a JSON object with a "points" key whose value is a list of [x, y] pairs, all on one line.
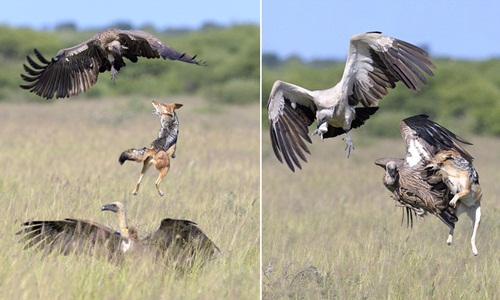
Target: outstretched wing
{"points": [[290, 111], [376, 62], [71, 236], [140, 43], [181, 241], [72, 71], [424, 138]]}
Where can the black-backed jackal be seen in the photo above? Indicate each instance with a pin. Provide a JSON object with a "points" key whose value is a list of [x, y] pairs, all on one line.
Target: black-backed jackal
{"points": [[462, 179], [162, 149]]}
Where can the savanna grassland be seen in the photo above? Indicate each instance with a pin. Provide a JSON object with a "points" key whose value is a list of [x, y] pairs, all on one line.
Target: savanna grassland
{"points": [[59, 159], [332, 231]]}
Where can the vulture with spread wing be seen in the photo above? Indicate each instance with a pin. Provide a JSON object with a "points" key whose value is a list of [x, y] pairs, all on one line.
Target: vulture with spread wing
{"points": [[181, 241], [74, 70], [416, 189], [375, 63]]}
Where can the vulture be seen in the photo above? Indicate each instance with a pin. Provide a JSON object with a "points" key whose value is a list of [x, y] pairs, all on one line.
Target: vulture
{"points": [[74, 70], [179, 241], [415, 188], [375, 63]]}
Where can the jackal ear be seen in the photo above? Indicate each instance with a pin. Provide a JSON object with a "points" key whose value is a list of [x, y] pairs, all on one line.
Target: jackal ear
{"points": [[177, 105]]}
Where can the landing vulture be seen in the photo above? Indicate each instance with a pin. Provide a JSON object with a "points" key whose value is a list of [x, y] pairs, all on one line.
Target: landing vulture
{"points": [[180, 241], [416, 190], [74, 70], [375, 63]]}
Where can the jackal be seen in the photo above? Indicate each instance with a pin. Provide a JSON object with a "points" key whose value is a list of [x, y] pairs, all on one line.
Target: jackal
{"points": [[162, 149], [462, 180]]}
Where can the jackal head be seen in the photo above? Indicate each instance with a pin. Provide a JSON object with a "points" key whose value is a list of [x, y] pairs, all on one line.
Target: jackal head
{"points": [[441, 159], [164, 108]]}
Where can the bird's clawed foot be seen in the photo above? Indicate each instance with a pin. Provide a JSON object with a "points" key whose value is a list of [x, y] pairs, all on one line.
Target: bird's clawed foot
{"points": [[349, 145], [318, 132], [114, 74]]}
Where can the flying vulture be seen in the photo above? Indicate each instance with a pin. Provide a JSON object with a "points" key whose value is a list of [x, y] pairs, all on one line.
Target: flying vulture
{"points": [[179, 241], [375, 63], [416, 189], [74, 70]]}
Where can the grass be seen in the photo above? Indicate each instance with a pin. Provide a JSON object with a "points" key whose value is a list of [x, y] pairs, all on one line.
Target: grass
{"points": [[60, 159], [331, 231]]}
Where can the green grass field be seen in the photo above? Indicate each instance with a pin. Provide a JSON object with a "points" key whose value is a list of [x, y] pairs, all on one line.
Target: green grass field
{"points": [[332, 230], [60, 159]]}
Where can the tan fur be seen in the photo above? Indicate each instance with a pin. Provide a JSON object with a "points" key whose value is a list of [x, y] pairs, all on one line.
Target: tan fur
{"points": [[159, 158], [462, 180]]}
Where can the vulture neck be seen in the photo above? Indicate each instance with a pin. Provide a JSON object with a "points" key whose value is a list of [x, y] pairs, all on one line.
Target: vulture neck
{"points": [[122, 218]]}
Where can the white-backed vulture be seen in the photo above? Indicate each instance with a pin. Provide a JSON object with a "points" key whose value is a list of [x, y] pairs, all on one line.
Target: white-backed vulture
{"points": [[374, 64], [413, 187], [74, 70], [178, 240]]}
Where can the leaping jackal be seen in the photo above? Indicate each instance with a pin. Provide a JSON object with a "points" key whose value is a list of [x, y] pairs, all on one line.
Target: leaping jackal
{"points": [[462, 180], [162, 149]]}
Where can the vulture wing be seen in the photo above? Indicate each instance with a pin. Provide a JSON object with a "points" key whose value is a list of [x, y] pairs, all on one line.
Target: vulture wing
{"points": [[290, 111], [181, 241], [140, 43], [72, 71], [71, 236], [376, 62], [424, 138]]}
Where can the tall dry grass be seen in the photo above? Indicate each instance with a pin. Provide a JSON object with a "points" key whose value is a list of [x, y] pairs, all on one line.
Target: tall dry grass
{"points": [[331, 231], [60, 159]]}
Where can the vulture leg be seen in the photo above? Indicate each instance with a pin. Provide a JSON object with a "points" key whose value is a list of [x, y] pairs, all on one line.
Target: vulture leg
{"points": [[322, 129], [114, 74], [349, 145], [145, 167]]}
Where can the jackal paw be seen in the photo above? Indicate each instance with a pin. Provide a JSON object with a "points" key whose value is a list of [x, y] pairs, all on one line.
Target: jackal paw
{"points": [[453, 203]]}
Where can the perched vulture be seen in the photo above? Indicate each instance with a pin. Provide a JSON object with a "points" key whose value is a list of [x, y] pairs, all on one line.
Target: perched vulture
{"points": [[74, 70], [375, 63], [179, 240], [415, 188]]}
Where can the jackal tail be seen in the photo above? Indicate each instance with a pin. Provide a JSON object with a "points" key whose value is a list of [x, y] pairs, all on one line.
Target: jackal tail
{"points": [[138, 155]]}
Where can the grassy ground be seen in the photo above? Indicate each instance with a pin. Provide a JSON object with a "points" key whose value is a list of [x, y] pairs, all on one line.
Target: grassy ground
{"points": [[60, 159], [331, 231]]}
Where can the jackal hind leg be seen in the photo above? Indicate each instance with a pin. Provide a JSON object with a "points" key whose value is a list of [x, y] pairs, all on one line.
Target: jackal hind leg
{"points": [[459, 210], [163, 173], [145, 167], [474, 213]]}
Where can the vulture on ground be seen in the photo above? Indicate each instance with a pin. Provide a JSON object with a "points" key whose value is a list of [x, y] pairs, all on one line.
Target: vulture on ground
{"points": [[180, 241], [418, 190], [74, 70], [375, 62]]}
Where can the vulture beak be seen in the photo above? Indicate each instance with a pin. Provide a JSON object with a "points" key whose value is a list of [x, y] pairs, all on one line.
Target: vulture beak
{"points": [[111, 207]]}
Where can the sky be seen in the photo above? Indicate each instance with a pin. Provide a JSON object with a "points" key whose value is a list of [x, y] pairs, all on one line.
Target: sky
{"points": [[320, 29], [47, 14]]}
